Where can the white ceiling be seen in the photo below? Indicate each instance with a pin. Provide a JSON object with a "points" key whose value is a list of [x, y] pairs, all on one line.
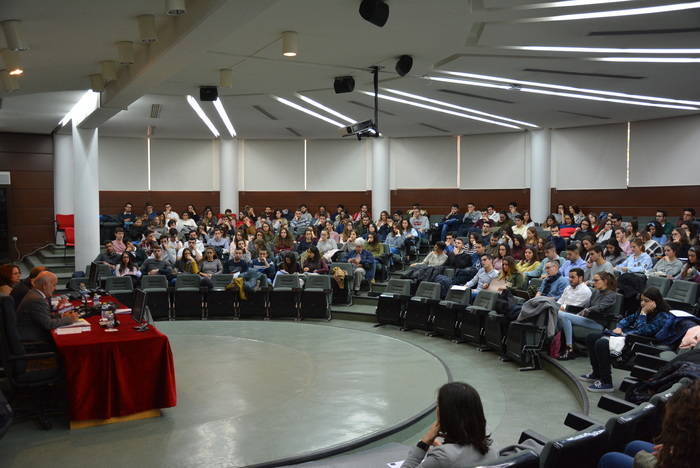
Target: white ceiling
{"points": [[69, 38]]}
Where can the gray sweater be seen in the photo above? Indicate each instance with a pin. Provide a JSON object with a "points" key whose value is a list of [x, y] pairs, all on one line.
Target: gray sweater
{"points": [[595, 269], [443, 456], [213, 268], [601, 305], [663, 268]]}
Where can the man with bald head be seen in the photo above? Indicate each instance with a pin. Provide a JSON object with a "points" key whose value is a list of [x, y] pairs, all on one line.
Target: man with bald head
{"points": [[34, 318]]}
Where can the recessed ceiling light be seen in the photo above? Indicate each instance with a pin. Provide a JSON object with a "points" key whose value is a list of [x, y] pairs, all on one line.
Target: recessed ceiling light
{"points": [[12, 62], [200, 112], [290, 44], [454, 106], [218, 105], [438, 109], [296, 106], [566, 4], [648, 59], [515, 83], [602, 50], [326, 109], [614, 13]]}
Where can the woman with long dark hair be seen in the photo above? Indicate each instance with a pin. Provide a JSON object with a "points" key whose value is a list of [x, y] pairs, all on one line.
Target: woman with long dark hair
{"points": [[462, 426], [10, 275], [613, 253], [691, 270], [651, 318]]}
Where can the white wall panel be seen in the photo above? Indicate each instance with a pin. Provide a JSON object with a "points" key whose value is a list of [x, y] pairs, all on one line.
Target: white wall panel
{"points": [[336, 165], [122, 163], [590, 157], [182, 165], [665, 152], [495, 161], [274, 165], [423, 162]]}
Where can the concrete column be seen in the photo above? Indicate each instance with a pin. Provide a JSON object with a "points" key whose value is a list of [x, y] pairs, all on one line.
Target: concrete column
{"points": [[63, 174], [381, 192], [540, 174], [86, 195], [228, 175]]}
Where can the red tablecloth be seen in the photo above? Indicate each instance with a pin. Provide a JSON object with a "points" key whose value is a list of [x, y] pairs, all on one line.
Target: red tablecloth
{"points": [[112, 374]]}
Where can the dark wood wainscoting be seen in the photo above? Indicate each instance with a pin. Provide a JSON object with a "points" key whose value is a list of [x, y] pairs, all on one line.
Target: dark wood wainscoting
{"points": [[112, 202], [29, 159], [291, 200]]}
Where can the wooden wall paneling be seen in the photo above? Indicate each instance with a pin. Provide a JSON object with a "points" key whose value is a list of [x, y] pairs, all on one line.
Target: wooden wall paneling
{"points": [[112, 202], [438, 201], [633, 201], [291, 200]]}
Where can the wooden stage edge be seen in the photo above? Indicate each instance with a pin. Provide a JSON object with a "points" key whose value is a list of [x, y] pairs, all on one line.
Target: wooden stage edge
{"points": [[154, 413]]}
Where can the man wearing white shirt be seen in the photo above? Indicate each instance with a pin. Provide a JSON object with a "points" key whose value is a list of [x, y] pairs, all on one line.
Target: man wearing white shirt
{"points": [[169, 213], [577, 294], [192, 245], [493, 215]]}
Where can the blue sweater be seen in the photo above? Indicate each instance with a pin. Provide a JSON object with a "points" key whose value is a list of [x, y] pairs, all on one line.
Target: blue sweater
{"points": [[556, 288], [638, 324]]}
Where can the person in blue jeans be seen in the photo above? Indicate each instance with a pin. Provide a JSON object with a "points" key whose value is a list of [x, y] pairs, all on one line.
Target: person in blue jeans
{"points": [[678, 444], [450, 222]]}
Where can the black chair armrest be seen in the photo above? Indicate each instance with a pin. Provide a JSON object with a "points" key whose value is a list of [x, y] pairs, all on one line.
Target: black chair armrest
{"points": [[536, 436], [579, 421], [642, 373], [646, 349], [649, 361], [632, 339], [32, 356], [614, 404]]}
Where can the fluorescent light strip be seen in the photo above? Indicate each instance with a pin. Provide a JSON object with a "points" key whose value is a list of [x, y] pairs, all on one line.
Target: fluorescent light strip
{"points": [[326, 109], [80, 109], [218, 105], [293, 105], [454, 106], [437, 109], [596, 98], [647, 59], [512, 82], [602, 50], [467, 82], [615, 13], [566, 4], [200, 112]]}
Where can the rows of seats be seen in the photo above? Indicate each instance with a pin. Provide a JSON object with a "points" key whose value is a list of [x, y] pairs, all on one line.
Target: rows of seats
{"points": [[291, 296], [678, 293]]}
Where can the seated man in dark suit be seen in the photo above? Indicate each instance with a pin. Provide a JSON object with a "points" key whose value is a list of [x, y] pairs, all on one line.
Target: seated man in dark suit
{"points": [[22, 288], [34, 318]]}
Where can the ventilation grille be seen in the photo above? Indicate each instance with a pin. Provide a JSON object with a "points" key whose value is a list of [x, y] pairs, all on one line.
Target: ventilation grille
{"points": [[580, 114], [476, 96], [155, 111], [292, 131], [596, 75], [361, 104], [265, 113], [641, 32], [434, 127]]}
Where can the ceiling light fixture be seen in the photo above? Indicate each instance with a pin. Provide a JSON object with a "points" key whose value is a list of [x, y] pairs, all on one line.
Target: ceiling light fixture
{"points": [[566, 4], [602, 99], [175, 7], [147, 29], [9, 82], [290, 44], [13, 35], [404, 65], [602, 50], [461, 108], [374, 11], [12, 62], [125, 52], [615, 13], [109, 70], [515, 82], [293, 105], [97, 84], [467, 82], [226, 78], [444, 111], [218, 105], [648, 59], [81, 109], [200, 112], [326, 109]]}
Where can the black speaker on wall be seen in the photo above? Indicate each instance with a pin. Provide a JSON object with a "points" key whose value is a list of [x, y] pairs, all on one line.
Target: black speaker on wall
{"points": [[344, 84], [208, 93]]}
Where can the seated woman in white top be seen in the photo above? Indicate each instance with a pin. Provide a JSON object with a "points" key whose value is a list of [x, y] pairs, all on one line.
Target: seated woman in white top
{"points": [[127, 267], [186, 223], [325, 243], [460, 424]]}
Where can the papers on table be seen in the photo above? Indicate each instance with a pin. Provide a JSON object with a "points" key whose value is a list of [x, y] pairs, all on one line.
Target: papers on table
{"points": [[125, 310], [80, 323], [71, 331], [458, 287]]}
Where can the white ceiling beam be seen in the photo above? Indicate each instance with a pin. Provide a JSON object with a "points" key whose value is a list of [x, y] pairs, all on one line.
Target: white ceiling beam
{"points": [[181, 41]]}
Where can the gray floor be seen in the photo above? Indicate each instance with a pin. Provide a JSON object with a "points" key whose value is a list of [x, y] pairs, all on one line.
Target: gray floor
{"points": [[253, 391]]}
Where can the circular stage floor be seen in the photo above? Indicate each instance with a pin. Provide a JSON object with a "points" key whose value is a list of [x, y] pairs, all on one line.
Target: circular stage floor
{"points": [[251, 392]]}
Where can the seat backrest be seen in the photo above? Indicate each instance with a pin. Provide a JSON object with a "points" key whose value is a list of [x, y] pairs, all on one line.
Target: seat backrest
{"points": [[520, 459], [286, 281], [399, 286], [583, 448], [154, 282], [318, 282], [639, 423], [10, 342], [74, 283], [220, 281], [428, 290], [662, 284], [69, 232], [347, 267], [683, 291], [104, 271], [459, 296], [186, 280], [119, 283], [63, 221], [385, 249], [486, 299]]}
